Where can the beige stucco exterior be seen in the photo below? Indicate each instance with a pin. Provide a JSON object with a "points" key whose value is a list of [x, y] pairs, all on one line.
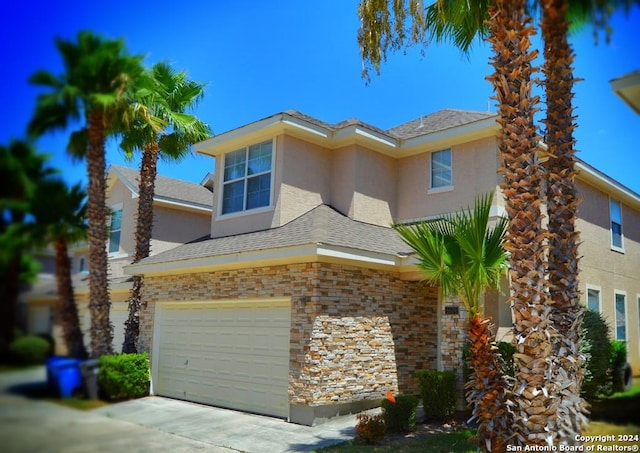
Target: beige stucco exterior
{"points": [[370, 183], [607, 270]]}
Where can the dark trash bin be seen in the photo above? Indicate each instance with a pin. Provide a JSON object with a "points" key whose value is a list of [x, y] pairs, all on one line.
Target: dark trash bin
{"points": [[89, 370]]}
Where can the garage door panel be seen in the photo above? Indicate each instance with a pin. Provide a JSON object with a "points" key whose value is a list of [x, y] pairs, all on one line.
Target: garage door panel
{"points": [[226, 355]]}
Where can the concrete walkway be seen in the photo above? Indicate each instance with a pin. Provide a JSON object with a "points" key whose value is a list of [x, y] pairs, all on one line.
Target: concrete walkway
{"points": [[151, 424]]}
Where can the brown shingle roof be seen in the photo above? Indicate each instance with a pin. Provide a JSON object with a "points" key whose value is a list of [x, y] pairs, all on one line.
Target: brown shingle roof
{"points": [[171, 189], [437, 121], [321, 225]]}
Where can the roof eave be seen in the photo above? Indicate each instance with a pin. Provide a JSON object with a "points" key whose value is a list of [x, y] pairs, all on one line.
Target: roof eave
{"points": [[267, 257]]}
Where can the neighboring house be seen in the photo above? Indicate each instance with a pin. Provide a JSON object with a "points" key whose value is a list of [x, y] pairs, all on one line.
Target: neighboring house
{"points": [[182, 213], [303, 303]]}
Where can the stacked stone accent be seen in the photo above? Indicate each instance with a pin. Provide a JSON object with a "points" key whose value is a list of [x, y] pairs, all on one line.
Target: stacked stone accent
{"points": [[453, 337], [355, 333]]}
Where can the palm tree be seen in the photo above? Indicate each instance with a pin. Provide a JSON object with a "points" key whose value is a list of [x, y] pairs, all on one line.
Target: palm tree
{"points": [[465, 256], [60, 216], [21, 170], [167, 131], [92, 91], [509, 31]]}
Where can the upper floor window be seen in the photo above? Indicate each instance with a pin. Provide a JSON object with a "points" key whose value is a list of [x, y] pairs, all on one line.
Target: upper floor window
{"points": [[115, 229], [81, 264], [593, 299], [247, 178], [441, 169], [621, 316], [615, 212]]}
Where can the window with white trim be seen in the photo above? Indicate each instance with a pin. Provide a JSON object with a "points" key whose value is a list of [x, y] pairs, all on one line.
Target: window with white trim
{"points": [[247, 178], [615, 213], [593, 298], [441, 169], [621, 316], [115, 228]]}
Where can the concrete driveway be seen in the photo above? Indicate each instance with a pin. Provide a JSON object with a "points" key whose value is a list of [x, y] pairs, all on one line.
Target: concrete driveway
{"points": [[152, 424]]}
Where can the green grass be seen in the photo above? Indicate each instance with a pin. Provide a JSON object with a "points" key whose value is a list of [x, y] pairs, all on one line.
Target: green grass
{"points": [[451, 442], [10, 368]]}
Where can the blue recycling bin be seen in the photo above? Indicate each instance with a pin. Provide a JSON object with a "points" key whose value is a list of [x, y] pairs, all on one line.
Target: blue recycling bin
{"points": [[69, 379], [63, 375]]}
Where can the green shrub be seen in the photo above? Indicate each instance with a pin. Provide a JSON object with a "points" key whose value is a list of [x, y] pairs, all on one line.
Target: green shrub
{"points": [[597, 351], [31, 350], [370, 429], [124, 376], [438, 389], [618, 363], [506, 351], [400, 416]]}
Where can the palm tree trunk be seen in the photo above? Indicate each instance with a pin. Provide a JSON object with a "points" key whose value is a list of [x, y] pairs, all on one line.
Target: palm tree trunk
{"points": [[9, 302], [487, 388], [535, 410], [100, 303], [66, 310], [144, 227], [562, 204]]}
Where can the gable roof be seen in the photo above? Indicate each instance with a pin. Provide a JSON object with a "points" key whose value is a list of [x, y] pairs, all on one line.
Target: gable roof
{"points": [[443, 128], [321, 226], [169, 190]]}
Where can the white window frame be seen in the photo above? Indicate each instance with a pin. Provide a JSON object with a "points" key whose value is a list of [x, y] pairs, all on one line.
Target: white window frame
{"points": [[244, 212], [440, 189], [594, 288], [114, 208], [617, 292], [615, 247]]}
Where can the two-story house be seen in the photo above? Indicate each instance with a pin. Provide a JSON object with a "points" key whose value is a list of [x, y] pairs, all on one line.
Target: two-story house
{"points": [[303, 303], [182, 213]]}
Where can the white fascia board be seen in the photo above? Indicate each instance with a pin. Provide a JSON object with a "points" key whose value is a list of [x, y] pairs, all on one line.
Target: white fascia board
{"points": [[221, 260], [607, 184], [114, 172], [182, 204], [357, 255], [357, 132], [304, 126], [204, 147], [453, 134]]}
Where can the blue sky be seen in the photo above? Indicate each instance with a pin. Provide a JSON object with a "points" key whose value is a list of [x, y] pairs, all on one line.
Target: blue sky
{"points": [[261, 58]]}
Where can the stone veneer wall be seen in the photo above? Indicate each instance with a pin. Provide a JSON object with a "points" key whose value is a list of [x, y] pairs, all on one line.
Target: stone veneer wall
{"points": [[355, 332], [453, 337]]}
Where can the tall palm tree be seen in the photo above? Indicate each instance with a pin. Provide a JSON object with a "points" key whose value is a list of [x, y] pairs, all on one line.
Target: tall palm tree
{"points": [[60, 216], [21, 170], [562, 204], [465, 256], [509, 31], [92, 91], [165, 131]]}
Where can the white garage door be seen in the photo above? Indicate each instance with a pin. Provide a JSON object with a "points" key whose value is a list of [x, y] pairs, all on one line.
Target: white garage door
{"points": [[232, 354]]}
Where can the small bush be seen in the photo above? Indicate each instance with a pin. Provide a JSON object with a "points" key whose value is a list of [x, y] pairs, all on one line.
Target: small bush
{"points": [[506, 351], [597, 351], [618, 364], [400, 416], [123, 376], [370, 429], [31, 350], [438, 389]]}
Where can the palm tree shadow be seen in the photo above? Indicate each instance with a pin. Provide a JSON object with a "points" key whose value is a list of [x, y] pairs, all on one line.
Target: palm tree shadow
{"points": [[346, 434]]}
